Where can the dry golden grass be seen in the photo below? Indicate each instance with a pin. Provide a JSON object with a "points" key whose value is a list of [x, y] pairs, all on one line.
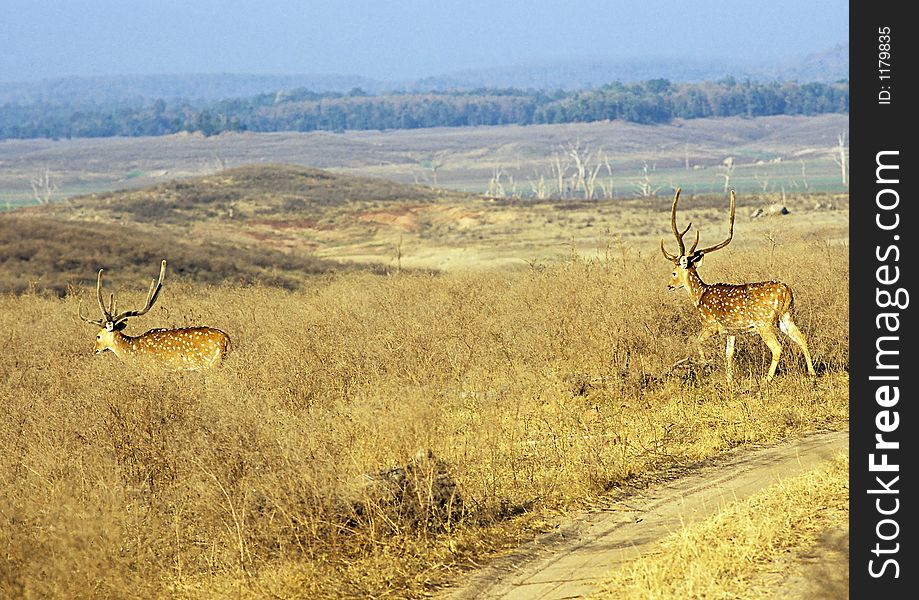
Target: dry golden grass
{"points": [[723, 556], [540, 389]]}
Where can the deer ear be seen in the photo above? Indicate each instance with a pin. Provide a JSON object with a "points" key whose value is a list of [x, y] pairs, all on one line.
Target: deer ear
{"points": [[694, 259], [109, 326], [684, 262]]}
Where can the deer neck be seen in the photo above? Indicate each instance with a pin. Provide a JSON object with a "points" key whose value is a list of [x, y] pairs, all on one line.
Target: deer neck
{"points": [[122, 345], [695, 287]]}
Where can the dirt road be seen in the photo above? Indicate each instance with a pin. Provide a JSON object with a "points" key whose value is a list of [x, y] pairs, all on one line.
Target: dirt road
{"points": [[566, 563]]}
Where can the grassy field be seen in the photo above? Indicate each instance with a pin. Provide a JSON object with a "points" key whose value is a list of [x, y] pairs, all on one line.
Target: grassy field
{"points": [[528, 346], [538, 389]]}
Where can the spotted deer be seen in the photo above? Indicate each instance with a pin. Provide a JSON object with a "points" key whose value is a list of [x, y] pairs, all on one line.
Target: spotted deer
{"points": [[185, 348], [730, 309]]}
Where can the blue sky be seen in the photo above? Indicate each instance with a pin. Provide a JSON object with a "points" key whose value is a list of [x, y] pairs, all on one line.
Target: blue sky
{"points": [[399, 39]]}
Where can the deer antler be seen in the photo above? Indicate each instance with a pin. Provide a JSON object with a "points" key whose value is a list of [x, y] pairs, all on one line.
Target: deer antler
{"points": [[152, 294], [725, 242], [106, 313], [110, 322], [676, 232], [693, 253]]}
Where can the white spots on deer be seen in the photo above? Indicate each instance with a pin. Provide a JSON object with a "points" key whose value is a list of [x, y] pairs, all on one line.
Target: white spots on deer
{"points": [[728, 308], [185, 348]]}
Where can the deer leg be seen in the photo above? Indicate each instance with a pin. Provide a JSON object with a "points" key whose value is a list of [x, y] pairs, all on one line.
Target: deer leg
{"points": [[729, 357], [707, 332], [792, 331], [772, 341]]}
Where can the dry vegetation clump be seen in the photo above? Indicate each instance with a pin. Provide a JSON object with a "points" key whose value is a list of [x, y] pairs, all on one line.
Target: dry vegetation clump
{"points": [[535, 391], [49, 255]]}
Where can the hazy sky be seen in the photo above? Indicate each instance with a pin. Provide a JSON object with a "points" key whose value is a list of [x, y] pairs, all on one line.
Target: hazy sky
{"points": [[396, 39]]}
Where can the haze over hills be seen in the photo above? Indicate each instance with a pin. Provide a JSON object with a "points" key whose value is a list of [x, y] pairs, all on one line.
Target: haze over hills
{"points": [[576, 74], [823, 67]]}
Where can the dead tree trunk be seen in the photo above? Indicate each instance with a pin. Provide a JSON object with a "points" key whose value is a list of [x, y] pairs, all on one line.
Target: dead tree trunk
{"points": [[842, 158]]}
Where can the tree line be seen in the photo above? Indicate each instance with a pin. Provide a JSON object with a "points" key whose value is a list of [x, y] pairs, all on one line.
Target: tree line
{"points": [[652, 101]]}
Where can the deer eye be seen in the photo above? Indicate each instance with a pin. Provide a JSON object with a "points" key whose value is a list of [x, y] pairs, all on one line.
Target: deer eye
{"points": [[99, 337]]}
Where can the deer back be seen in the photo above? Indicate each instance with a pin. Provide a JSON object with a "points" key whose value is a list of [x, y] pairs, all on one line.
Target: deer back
{"points": [[745, 306], [189, 348]]}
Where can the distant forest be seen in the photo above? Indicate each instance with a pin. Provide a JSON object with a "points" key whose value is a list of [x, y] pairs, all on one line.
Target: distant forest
{"points": [[652, 101]]}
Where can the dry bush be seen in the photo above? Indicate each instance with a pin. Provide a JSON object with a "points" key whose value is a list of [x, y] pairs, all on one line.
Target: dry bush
{"points": [[49, 255], [537, 390]]}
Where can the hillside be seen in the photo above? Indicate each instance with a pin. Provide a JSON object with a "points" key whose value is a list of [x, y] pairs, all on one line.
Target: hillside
{"points": [[775, 153], [238, 225], [282, 224], [245, 194], [46, 254]]}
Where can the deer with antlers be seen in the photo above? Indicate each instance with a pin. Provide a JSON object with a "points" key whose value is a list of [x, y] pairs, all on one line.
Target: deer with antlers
{"points": [[730, 309], [185, 348]]}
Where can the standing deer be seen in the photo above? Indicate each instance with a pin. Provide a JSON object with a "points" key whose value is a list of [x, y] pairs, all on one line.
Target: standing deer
{"points": [[733, 308], [186, 348]]}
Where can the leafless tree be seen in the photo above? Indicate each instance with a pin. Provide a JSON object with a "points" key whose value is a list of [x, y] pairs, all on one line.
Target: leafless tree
{"points": [[804, 174], [590, 185], [606, 183], [585, 177], [43, 187], [842, 158], [727, 169], [512, 184], [539, 187], [436, 162], [495, 185], [644, 185], [559, 173], [587, 165], [581, 156]]}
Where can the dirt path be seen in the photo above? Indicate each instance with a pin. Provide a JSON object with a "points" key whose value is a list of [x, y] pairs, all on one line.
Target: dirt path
{"points": [[567, 562]]}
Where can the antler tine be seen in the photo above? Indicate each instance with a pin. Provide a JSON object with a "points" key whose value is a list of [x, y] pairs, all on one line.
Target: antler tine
{"points": [[676, 232], [99, 322], [105, 313], [672, 258], [152, 294], [730, 232], [695, 243]]}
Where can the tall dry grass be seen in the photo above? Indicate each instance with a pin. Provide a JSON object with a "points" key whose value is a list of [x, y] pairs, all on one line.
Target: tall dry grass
{"points": [[539, 390], [730, 554]]}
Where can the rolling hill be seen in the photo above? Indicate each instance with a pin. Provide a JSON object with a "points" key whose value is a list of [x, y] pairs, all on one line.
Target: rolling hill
{"points": [[249, 224], [282, 225]]}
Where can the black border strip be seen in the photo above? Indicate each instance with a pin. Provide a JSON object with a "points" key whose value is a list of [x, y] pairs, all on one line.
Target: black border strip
{"points": [[882, 365]]}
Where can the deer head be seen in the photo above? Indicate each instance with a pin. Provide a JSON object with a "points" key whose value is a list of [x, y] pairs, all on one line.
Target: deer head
{"points": [[685, 262]]}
